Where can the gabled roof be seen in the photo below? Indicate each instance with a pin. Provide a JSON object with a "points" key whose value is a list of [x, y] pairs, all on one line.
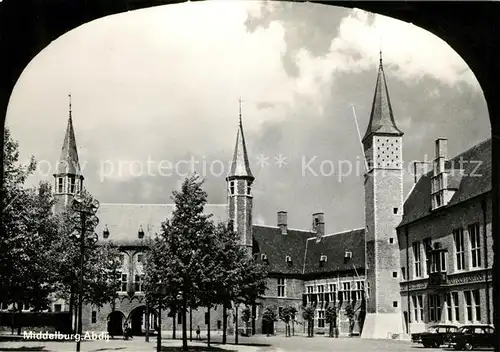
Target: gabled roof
{"points": [[240, 166], [381, 117], [68, 161], [305, 252], [124, 220], [335, 246], [474, 180], [270, 241]]}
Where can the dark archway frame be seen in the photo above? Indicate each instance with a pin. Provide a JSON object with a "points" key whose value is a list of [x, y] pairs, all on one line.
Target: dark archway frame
{"points": [[470, 28]]}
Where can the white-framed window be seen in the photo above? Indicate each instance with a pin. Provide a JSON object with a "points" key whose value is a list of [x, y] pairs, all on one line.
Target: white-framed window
{"points": [[281, 287], [458, 239], [427, 243], [434, 308], [321, 293], [472, 305], [333, 292], [475, 245], [321, 318], [420, 299], [72, 184], [360, 287], [60, 185], [452, 306], [122, 258], [346, 290], [124, 283], [138, 283], [438, 262], [416, 259], [140, 257], [415, 308]]}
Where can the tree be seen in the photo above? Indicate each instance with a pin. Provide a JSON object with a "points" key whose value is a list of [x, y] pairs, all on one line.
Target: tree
{"points": [[269, 317], [28, 232], [331, 318], [308, 316], [185, 246], [246, 315], [350, 313], [101, 265], [287, 316]]}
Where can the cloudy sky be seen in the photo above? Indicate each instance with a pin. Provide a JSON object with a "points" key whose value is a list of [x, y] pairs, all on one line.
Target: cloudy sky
{"points": [[160, 87]]}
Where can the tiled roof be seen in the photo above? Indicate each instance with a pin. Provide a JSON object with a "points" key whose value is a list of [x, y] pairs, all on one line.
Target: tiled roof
{"points": [[381, 117], [473, 181], [301, 246], [276, 246], [124, 220], [334, 247]]}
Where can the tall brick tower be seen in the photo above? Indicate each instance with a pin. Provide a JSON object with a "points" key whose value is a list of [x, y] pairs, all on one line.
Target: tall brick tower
{"points": [[239, 185], [383, 144], [68, 178]]}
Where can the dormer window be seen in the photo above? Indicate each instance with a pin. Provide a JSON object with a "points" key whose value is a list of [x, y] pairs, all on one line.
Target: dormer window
{"points": [[263, 257], [288, 259], [348, 255], [231, 188], [72, 185], [105, 232], [323, 258], [60, 185]]}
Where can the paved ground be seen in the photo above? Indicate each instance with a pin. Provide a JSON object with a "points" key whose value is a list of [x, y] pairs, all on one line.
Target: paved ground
{"points": [[253, 344]]}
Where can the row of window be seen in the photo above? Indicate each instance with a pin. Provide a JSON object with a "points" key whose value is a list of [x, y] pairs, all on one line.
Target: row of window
{"points": [[430, 261], [72, 186], [138, 283], [233, 189], [138, 257], [451, 307]]}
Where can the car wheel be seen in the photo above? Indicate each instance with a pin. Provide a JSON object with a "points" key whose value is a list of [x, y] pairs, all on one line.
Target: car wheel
{"points": [[425, 345], [468, 346], [437, 344]]}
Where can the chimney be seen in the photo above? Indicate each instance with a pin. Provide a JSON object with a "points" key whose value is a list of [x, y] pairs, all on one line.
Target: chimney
{"points": [[441, 155], [420, 168], [282, 222], [318, 225]]}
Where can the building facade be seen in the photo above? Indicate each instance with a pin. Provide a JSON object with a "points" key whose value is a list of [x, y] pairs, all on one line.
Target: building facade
{"points": [[446, 241], [414, 262]]}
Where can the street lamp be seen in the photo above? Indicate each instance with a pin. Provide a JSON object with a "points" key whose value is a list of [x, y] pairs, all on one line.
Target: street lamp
{"points": [[85, 222]]}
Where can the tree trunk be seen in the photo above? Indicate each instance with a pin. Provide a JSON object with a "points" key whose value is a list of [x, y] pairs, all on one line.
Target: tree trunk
{"points": [[184, 323], [208, 328], [146, 323], [254, 313], [71, 304], [293, 327], [190, 324], [19, 312], [174, 322], [224, 323], [236, 324]]}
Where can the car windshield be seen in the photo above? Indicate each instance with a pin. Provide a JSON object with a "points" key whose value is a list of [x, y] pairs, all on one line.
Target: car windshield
{"points": [[431, 329], [464, 329]]}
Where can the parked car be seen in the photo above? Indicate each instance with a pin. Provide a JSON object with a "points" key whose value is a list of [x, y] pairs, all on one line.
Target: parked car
{"points": [[435, 335], [469, 337]]}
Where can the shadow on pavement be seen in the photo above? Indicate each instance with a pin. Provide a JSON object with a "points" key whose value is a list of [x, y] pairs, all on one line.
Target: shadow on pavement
{"points": [[24, 348], [194, 348]]}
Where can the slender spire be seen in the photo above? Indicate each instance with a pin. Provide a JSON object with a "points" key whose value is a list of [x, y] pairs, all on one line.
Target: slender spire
{"points": [[381, 117], [240, 166], [68, 162]]}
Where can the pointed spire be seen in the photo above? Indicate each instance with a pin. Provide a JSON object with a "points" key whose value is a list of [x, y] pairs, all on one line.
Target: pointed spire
{"points": [[240, 166], [68, 162], [381, 117]]}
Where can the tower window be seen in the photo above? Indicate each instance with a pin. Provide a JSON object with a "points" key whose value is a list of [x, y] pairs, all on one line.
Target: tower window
{"points": [[60, 185], [395, 304], [249, 189], [231, 187], [391, 240], [394, 274], [395, 210], [72, 185]]}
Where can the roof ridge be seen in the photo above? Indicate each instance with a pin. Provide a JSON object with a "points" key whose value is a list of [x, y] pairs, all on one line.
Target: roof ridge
{"points": [[156, 204], [288, 228], [339, 233]]}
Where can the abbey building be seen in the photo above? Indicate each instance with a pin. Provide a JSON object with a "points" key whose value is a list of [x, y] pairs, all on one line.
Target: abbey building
{"points": [[419, 259]]}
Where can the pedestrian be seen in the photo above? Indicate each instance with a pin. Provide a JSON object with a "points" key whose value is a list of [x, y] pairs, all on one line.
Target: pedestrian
{"points": [[198, 332]]}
